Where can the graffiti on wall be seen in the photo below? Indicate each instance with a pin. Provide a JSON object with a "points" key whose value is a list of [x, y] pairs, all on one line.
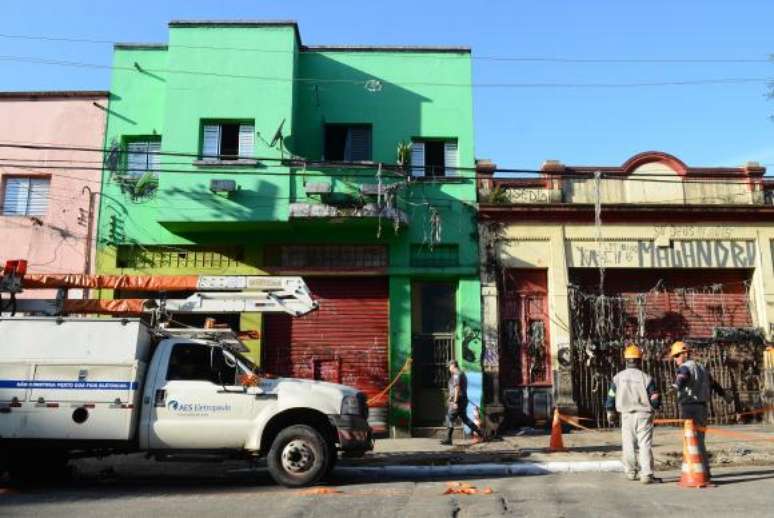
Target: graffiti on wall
{"points": [[694, 231], [690, 253], [529, 196]]}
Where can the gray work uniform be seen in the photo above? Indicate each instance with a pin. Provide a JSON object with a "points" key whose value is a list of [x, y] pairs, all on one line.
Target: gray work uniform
{"points": [[633, 403], [692, 400]]}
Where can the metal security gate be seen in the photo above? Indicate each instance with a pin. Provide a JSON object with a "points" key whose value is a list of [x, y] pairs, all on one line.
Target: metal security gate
{"points": [[737, 366], [343, 341], [714, 318]]}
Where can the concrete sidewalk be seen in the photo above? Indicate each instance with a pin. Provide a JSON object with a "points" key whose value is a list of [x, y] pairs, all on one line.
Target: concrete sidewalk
{"points": [[420, 458], [582, 446]]}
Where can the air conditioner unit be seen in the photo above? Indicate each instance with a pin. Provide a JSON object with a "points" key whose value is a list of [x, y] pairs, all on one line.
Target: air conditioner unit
{"points": [[224, 186], [317, 188]]}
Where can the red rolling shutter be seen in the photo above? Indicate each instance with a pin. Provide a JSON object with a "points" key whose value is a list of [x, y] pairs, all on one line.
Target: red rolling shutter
{"points": [[344, 341]]}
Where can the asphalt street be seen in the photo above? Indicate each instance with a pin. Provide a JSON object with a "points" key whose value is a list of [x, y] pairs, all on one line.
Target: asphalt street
{"points": [[217, 490]]}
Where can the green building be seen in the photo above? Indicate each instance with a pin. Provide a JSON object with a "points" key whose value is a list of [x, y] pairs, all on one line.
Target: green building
{"points": [[236, 149]]}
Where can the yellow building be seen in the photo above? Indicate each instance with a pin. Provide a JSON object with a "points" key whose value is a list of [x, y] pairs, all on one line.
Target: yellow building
{"points": [[579, 261]]}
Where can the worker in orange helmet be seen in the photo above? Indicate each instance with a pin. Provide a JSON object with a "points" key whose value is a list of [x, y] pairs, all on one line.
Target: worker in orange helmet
{"points": [[694, 387], [633, 394]]}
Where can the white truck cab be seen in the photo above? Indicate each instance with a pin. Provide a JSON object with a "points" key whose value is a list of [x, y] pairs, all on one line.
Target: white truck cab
{"points": [[81, 386]]}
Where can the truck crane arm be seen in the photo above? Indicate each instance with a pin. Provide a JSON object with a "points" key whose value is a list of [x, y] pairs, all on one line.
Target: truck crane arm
{"points": [[211, 293]]}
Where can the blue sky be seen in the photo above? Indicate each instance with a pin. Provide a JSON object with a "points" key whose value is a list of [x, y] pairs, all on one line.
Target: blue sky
{"points": [[720, 124]]}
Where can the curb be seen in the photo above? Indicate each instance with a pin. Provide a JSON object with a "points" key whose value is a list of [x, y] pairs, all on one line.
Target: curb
{"points": [[487, 469]]}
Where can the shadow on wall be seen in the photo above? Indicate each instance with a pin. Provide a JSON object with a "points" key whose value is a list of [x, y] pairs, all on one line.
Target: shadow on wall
{"points": [[394, 111], [256, 200], [110, 111]]}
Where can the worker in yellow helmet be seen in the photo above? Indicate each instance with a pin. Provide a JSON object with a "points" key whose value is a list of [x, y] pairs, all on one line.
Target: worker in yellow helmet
{"points": [[633, 394], [694, 387]]}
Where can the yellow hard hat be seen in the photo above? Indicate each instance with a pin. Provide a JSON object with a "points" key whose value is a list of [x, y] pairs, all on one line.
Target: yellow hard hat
{"points": [[678, 347], [632, 352]]}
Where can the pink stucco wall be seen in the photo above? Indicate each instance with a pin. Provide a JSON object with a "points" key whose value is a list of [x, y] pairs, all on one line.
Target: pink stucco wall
{"points": [[57, 242]]}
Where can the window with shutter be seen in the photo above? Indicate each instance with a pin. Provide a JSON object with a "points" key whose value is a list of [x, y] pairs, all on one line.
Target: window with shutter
{"points": [[25, 196], [154, 159], [143, 156], [359, 143], [246, 140], [230, 141], [450, 158], [347, 142], [211, 142], [434, 158], [15, 196], [418, 159], [38, 200], [137, 158]]}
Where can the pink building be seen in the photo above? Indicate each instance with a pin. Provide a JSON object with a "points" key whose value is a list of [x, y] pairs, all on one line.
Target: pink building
{"points": [[49, 197]]}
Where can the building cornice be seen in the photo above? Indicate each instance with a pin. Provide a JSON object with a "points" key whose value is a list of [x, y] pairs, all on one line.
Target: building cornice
{"points": [[140, 46], [54, 94], [237, 24], [386, 48], [620, 213], [749, 170]]}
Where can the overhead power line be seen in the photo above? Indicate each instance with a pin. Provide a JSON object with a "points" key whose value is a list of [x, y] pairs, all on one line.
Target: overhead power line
{"points": [[404, 55], [291, 161], [352, 168], [372, 174], [365, 82]]}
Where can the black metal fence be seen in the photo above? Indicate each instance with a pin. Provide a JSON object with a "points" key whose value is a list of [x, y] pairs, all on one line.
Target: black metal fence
{"points": [[737, 367], [432, 353]]}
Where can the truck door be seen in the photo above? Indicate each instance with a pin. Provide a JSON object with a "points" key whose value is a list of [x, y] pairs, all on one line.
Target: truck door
{"points": [[197, 401]]}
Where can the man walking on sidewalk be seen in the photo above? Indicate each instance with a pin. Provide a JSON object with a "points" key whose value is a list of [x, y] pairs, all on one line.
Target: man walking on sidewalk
{"points": [[633, 394], [694, 386], [458, 403]]}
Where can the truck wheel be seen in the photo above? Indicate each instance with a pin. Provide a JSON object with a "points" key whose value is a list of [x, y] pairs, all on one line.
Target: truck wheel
{"points": [[298, 456]]}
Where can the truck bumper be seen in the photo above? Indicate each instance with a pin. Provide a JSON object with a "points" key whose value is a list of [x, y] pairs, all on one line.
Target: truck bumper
{"points": [[355, 436]]}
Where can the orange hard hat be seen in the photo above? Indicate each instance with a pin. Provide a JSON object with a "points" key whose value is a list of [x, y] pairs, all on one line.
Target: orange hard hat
{"points": [[632, 352], [678, 347]]}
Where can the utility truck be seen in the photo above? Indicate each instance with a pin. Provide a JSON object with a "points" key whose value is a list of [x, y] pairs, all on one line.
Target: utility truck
{"points": [[82, 386]]}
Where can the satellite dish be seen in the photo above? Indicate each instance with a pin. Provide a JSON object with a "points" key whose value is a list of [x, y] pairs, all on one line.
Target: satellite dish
{"points": [[277, 134], [373, 85]]}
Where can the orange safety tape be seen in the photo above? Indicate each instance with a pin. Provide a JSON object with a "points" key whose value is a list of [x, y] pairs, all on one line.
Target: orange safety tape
{"points": [[381, 394], [668, 421], [742, 435], [571, 420], [757, 411]]}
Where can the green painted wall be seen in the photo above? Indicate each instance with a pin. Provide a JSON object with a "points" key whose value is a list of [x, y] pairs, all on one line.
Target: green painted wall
{"points": [[307, 90]]}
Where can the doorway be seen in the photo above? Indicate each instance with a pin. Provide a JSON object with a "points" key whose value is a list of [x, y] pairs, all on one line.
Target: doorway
{"points": [[433, 312]]}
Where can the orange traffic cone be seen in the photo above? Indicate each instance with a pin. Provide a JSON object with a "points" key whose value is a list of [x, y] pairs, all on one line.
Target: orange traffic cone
{"points": [[693, 474], [556, 443]]}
